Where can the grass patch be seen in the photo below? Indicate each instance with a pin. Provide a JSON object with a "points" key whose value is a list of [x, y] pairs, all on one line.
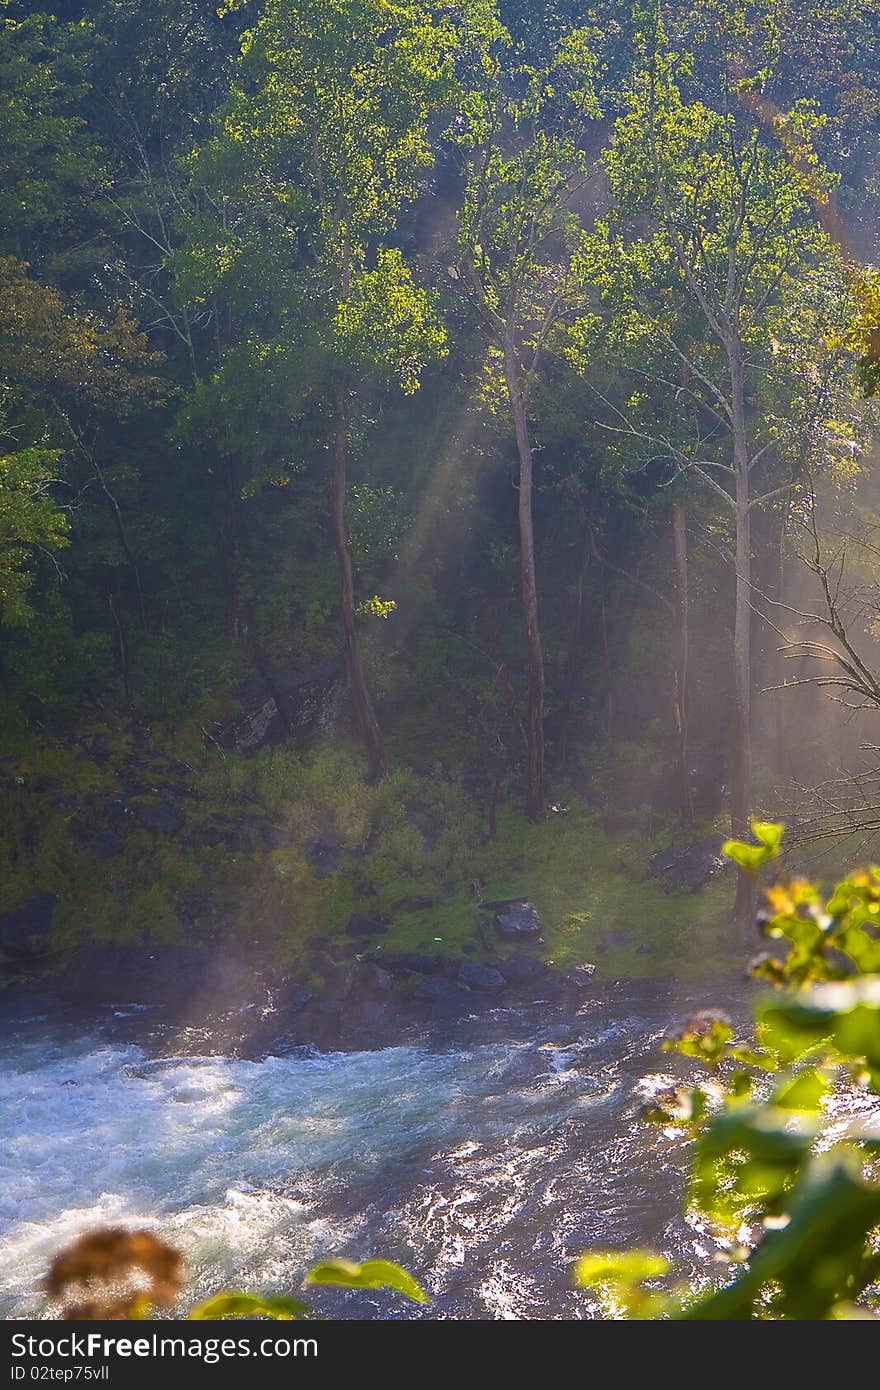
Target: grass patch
{"points": [[417, 834]]}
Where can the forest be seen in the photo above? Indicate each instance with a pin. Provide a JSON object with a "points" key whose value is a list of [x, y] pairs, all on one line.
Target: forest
{"points": [[439, 532]]}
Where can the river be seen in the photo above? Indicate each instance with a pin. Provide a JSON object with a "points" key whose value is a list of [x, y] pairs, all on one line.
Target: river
{"points": [[484, 1160]]}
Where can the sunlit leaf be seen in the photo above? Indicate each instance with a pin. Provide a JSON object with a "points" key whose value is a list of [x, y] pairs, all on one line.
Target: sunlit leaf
{"points": [[246, 1305], [373, 1274]]}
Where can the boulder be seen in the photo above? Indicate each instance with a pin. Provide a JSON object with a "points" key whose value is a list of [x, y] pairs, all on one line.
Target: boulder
{"points": [[282, 703], [444, 998], [477, 976], [25, 930], [515, 917], [581, 977], [522, 969], [690, 866], [416, 904]]}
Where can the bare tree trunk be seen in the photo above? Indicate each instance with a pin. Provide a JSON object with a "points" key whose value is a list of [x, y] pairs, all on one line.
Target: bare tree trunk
{"points": [[534, 723], [680, 707], [121, 645], [123, 540], [606, 667], [575, 653], [781, 739], [741, 790], [230, 540], [365, 721]]}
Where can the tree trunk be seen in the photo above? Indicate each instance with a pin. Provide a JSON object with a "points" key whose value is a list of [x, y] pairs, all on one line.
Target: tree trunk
{"points": [[121, 645], [683, 781], [574, 659], [741, 790], [123, 539], [364, 716], [534, 723], [231, 553]]}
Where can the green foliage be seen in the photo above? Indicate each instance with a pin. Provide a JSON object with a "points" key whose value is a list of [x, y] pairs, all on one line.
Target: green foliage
{"points": [[386, 326], [248, 1305], [825, 939], [754, 857], [30, 524], [621, 1276], [373, 1274], [50, 162], [800, 1216]]}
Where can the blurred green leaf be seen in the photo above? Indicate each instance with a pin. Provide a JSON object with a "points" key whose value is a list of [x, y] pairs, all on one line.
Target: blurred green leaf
{"points": [[818, 1260], [373, 1274], [246, 1305]]}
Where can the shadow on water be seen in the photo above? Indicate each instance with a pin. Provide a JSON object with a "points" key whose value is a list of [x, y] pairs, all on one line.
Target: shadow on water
{"points": [[484, 1154]]}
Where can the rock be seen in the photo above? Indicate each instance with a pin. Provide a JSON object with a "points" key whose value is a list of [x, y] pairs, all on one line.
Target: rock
{"points": [[581, 977], [413, 904], [25, 930], [515, 917], [160, 816], [367, 926], [278, 704], [691, 866], [478, 976], [522, 969], [179, 976], [443, 997], [253, 728]]}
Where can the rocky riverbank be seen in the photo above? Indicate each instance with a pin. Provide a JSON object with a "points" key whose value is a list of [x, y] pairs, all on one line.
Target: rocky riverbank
{"points": [[360, 997]]}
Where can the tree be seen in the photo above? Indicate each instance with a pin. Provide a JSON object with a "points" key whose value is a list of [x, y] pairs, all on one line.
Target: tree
{"points": [[63, 372], [522, 130], [326, 137], [705, 297], [30, 523], [51, 170]]}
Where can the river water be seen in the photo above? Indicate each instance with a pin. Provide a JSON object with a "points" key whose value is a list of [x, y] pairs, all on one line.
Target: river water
{"points": [[485, 1160]]}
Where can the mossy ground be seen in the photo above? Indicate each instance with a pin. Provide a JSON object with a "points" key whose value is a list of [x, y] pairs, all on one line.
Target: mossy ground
{"points": [[417, 834]]}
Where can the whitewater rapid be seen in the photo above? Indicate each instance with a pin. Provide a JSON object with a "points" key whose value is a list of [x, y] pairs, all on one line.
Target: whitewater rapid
{"points": [[486, 1165]]}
